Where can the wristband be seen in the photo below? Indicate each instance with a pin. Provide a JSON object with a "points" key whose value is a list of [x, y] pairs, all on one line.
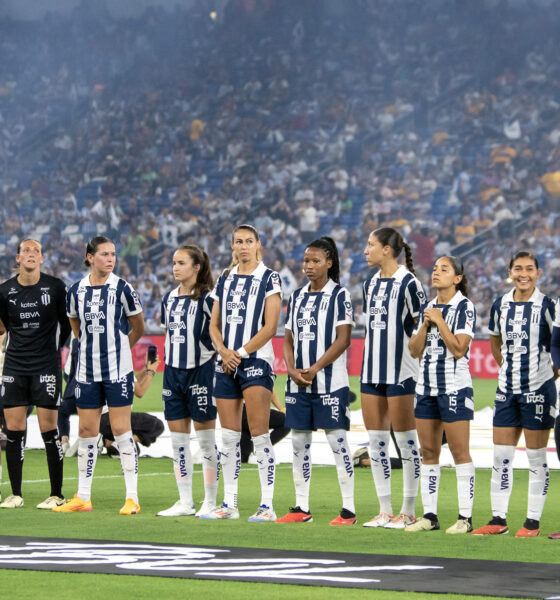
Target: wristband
{"points": [[242, 352], [151, 371]]}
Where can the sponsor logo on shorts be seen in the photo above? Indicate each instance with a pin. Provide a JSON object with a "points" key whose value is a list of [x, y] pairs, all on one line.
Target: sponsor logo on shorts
{"points": [[533, 398], [254, 372], [7, 379], [289, 400], [501, 397], [165, 392]]}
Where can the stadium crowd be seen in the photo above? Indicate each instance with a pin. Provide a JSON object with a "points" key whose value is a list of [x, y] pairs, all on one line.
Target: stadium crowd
{"points": [[176, 128]]}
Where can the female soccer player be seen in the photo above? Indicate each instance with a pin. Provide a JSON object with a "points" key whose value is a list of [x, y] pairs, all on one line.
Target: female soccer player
{"points": [[318, 328], [521, 324], [32, 312], [102, 308], [393, 298], [188, 377], [247, 302], [444, 394]]}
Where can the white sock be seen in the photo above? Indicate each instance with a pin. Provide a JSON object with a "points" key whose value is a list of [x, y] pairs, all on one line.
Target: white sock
{"points": [[465, 488], [538, 482], [301, 466], [183, 465], [129, 463], [210, 464], [408, 445], [87, 457], [344, 468], [502, 479], [266, 463], [230, 459], [381, 468], [429, 483]]}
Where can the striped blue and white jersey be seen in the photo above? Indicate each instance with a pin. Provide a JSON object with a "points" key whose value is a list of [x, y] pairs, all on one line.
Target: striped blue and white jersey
{"points": [[440, 372], [103, 311], [242, 300], [391, 305], [526, 331], [187, 330], [312, 318]]}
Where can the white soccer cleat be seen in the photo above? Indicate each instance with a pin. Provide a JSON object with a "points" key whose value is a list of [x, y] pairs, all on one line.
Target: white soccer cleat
{"points": [[380, 521], [222, 512], [51, 502], [206, 508], [179, 509], [400, 522], [462, 526], [264, 514], [12, 502]]}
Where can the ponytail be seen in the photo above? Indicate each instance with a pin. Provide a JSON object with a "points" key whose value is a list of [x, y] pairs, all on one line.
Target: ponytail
{"points": [[408, 257], [387, 236], [328, 246]]}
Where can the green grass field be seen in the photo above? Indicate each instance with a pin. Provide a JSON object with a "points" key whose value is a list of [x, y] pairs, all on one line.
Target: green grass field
{"points": [[157, 491]]}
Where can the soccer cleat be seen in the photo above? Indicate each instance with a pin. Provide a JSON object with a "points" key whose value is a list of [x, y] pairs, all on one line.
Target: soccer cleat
{"points": [[51, 502], [554, 536], [462, 526], [380, 521], [359, 457], [74, 505], [130, 507], [264, 514], [345, 517], [528, 532], [423, 524], [206, 508], [401, 521], [296, 515], [179, 509], [222, 512], [12, 502], [493, 528]]}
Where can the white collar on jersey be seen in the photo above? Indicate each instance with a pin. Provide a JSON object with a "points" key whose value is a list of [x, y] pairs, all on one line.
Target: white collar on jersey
{"points": [[327, 288], [398, 275], [112, 281], [453, 302], [536, 296], [258, 272]]}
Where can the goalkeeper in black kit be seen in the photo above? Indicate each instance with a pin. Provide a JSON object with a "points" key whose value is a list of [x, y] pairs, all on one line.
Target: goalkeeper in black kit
{"points": [[33, 315]]}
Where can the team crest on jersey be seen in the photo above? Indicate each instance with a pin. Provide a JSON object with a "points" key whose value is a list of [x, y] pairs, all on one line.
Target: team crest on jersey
{"points": [[45, 298], [111, 297]]}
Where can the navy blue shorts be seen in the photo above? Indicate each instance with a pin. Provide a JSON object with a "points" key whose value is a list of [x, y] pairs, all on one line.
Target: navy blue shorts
{"points": [[389, 390], [251, 371], [533, 410], [98, 393], [448, 408], [308, 412], [188, 393]]}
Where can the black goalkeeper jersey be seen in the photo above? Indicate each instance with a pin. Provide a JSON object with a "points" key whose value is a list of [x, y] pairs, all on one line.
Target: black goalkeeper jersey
{"points": [[36, 322]]}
